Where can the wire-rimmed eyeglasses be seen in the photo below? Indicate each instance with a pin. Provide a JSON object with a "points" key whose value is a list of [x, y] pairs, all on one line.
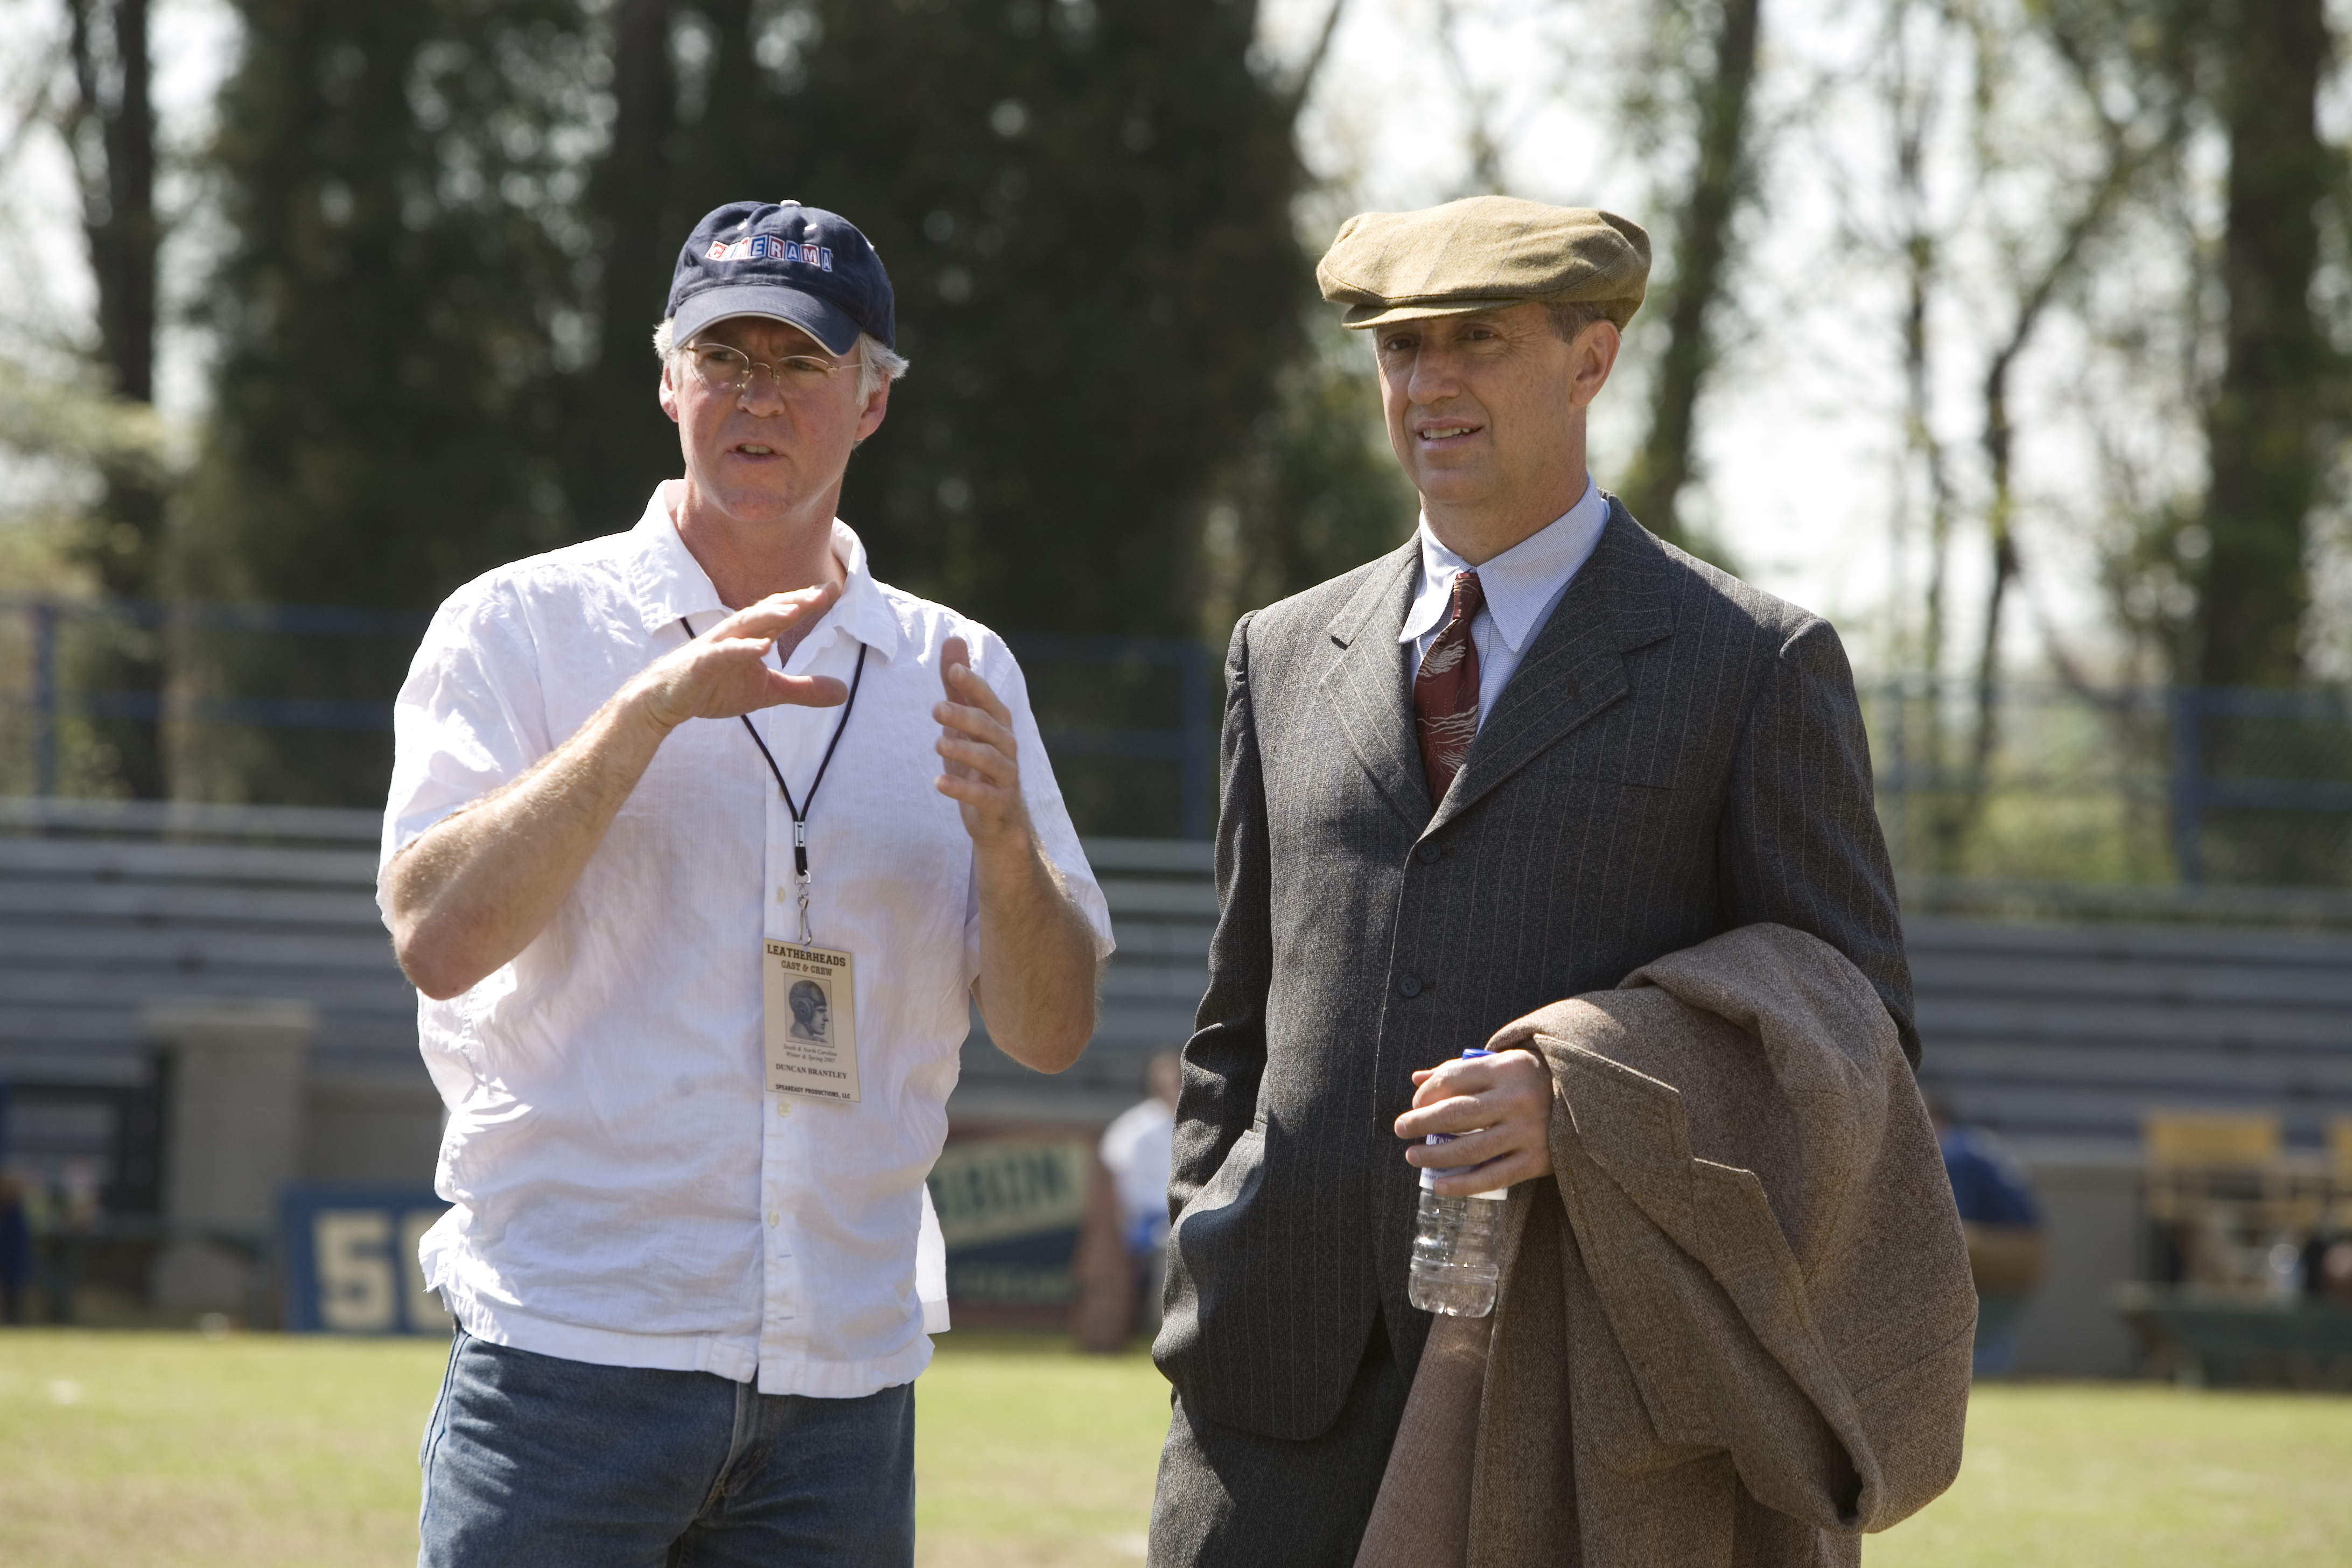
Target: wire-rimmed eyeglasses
{"points": [[730, 370]]}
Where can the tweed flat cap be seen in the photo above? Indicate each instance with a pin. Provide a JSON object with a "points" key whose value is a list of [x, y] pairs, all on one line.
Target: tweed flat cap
{"points": [[1480, 252]]}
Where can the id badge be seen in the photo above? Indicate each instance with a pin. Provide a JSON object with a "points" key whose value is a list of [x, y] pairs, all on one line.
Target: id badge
{"points": [[810, 998]]}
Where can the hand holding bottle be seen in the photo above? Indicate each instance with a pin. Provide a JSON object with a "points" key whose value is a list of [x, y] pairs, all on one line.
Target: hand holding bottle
{"points": [[1498, 1109], [1458, 1238]]}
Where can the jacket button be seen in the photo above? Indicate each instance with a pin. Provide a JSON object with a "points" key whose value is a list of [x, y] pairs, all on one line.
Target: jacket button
{"points": [[1408, 985], [1429, 854]]}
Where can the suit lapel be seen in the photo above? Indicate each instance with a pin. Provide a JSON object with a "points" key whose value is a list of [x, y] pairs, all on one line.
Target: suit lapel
{"points": [[1369, 684], [1620, 600]]}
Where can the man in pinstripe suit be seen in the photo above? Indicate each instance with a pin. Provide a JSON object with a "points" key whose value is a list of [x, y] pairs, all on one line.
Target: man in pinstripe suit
{"points": [[1523, 754]]}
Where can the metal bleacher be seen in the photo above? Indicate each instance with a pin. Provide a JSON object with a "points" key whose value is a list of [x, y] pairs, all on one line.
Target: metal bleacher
{"points": [[2074, 1033], [108, 907], [2049, 1032], [1163, 907], [2062, 1029]]}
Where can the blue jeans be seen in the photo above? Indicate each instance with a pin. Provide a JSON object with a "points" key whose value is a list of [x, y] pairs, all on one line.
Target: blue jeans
{"points": [[531, 1459]]}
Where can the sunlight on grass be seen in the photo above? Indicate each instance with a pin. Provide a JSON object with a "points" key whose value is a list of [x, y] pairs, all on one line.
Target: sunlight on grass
{"points": [[168, 1450], [2139, 1476], [1028, 1452]]}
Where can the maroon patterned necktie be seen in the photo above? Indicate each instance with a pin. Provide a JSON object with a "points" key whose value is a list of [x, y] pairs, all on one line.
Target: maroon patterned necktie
{"points": [[1445, 692]]}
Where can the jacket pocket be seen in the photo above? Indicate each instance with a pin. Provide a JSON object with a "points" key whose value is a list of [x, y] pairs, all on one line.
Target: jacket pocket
{"points": [[1236, 1177]]}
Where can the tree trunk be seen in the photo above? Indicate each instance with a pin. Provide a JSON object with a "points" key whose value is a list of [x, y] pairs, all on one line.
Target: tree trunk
{"points": [[632, 182], [109, 47], [621, 447], [1701, 255], [2260, 427], [2261, 431]]}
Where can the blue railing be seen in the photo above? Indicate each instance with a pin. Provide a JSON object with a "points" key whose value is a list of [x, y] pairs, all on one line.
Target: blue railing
{"points": [[2196, 710], [1190, 747], [1186, 746], [1141, 714], [2185, 751]]}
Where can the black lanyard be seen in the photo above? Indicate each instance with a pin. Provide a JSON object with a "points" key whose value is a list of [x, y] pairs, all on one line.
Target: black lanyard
{"points": [[800, 813]]}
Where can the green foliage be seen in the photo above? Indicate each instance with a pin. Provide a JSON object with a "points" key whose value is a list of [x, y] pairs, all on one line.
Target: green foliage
{"points": [[1316, 489], [452, 225], [66, 420], [394, 179], [1085, 212], [2264, 426]]}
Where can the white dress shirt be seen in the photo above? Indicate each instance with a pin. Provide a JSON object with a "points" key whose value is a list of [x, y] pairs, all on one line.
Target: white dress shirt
{"points": [[1522, 585], [626, 1191]]}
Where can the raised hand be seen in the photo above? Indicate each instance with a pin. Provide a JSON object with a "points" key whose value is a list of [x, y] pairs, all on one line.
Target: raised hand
{"points": [[725, 671], [1037, 982], [982, 757], [470, 893]]}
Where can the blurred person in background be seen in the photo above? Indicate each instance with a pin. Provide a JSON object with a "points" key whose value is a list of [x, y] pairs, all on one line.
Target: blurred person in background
{"points": [[1135, 1149], [2328, 1272], [2327, 1256], [2002, 1222], [646, 789]]}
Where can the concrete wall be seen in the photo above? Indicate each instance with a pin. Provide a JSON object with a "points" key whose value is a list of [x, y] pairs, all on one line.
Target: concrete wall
{"points": [[232, 1138], [2091, 1205], [247, 1116]]}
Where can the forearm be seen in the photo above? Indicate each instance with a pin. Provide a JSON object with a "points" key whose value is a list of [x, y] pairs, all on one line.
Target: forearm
{"points": [[1038, 969], [474, 890]]}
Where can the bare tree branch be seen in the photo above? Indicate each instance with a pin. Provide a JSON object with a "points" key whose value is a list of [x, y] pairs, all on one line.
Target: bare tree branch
{"points": [[1486, 152], [1303, 83], [2124, 160], [40, 106]]}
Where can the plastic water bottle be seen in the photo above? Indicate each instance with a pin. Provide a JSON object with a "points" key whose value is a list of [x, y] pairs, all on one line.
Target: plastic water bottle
{"points": [[1457, 1244]]}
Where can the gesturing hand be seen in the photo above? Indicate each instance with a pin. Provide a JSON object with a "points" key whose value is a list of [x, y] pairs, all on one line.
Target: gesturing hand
{"points": [[984, 766], [725, 671], [1500, 1108]]}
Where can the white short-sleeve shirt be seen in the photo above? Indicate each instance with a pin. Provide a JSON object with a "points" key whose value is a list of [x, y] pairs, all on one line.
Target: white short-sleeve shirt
{"points": [[625, 1190]]}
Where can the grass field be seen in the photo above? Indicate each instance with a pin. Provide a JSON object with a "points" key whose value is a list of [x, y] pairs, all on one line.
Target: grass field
{"points": [[174, 1451]]}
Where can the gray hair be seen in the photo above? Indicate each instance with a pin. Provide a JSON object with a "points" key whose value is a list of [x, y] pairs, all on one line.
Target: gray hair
{"points": [[876, 363], [1569, 318]]}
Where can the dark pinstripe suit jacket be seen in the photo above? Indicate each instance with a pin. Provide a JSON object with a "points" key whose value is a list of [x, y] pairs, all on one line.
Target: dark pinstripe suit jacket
{"points": [[1677, 755]]}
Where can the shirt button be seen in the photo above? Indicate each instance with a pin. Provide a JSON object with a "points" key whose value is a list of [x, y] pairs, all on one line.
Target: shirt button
{"points": [[1408, 985], [773, 1216], [784, 1106], [1429, 854]]}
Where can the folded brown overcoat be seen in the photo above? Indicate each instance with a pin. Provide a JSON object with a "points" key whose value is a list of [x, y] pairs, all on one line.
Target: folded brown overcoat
{"points": [[1734, 1328]]}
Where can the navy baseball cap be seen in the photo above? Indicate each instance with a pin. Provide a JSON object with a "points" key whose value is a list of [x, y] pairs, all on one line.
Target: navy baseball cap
{"points": [[789, 263]]}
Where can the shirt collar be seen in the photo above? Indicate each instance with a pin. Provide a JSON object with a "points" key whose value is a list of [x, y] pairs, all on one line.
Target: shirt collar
{"points": [[1520, 584], [671, 585]]}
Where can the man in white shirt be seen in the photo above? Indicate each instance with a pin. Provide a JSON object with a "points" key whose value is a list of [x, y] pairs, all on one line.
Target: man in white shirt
{"points": [[697, 915]]}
